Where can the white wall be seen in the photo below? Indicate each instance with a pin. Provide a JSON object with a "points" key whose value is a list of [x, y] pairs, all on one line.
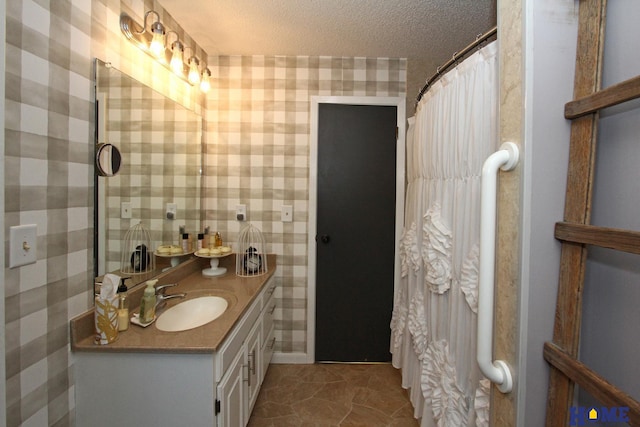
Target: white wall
{"points": [[611, 318], [549, 40]]}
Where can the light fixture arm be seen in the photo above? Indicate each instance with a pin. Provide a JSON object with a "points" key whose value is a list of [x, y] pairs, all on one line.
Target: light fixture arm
{"points": [[170, 43], [146, 15]]}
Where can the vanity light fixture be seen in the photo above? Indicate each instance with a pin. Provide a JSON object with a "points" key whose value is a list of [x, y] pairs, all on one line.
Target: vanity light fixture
{"points": [[153, 39]]}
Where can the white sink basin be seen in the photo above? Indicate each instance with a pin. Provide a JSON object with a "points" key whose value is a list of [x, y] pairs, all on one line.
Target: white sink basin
{"points": [[192, 313]]}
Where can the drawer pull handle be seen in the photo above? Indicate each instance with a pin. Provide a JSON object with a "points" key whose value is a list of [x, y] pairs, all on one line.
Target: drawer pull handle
{"points": [[272, 309], [248, 379], [252, 363]]}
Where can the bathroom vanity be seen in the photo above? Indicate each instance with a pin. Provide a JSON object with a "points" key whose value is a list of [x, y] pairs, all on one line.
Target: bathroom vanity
{"points": [[206, 376]]}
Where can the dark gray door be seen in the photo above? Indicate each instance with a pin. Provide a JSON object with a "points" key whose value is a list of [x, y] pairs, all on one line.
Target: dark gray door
{"points": [[355, 231]]}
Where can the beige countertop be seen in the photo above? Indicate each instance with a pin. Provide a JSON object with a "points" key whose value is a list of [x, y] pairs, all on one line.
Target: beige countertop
{"points": [[240, 292]]}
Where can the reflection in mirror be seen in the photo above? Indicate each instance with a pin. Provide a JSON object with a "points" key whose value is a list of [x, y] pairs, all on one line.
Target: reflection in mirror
{"points": [[160, 144], [108, 159]]}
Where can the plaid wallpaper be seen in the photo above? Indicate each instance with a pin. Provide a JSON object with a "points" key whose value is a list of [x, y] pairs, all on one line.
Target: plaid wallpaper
{"points": [[161, 144], [258, 154], [50, 46], [257, 134]]}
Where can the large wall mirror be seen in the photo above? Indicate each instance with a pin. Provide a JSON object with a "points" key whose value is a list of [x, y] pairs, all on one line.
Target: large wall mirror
{"points": [[160, 144]]}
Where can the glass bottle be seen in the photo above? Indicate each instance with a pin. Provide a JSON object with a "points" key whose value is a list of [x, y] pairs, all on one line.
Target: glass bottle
{"points": [[200, 241], [185, 243]]}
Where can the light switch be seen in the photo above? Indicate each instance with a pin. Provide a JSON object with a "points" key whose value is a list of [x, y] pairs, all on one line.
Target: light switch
{"points": [[287, 213], [23, 247]]}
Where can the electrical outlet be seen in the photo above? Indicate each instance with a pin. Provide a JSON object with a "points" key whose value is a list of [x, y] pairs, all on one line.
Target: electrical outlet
{"points": [[125, 210], [241, 212], [172, 210], [287, 213], [23, 248]]}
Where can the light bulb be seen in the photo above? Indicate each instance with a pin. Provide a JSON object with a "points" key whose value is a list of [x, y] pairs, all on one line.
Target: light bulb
{"points": [[194, 74], [176, 59], [157, 42], [204, 83]]}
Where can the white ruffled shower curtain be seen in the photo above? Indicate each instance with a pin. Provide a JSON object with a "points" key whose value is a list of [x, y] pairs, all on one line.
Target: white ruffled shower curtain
{"points": [[433, 328]]}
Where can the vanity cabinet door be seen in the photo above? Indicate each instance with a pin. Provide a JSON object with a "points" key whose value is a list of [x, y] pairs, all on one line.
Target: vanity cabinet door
{"points": [[268, 339], [232, 394], [267, 351], [254, 363]]}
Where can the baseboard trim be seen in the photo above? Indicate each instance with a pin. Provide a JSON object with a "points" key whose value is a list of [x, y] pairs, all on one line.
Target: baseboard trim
{"points": [[291, 358]]}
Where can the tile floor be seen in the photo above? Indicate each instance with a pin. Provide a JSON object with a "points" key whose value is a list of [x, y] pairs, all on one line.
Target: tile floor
{"points": [[332, 395]]}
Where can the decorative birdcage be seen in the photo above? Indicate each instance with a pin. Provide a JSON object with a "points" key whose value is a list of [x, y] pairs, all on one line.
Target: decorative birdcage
{"points": [[137, 254], [251, 252]]}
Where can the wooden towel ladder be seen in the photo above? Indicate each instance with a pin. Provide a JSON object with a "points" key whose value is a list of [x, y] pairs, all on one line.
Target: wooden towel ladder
{"points": [[575, 232]]}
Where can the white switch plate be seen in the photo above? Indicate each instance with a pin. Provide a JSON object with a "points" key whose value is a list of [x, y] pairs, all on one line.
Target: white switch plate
{"points": [[172, 210], [23, 245], [125, 210], [241, 212], [287, 213]]}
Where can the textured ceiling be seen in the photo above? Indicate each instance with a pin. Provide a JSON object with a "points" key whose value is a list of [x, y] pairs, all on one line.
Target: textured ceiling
{"points": [[429, 31]]}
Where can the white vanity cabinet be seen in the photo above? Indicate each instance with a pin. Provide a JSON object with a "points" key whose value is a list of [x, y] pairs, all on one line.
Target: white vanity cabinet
{"points": [[173, 389], [237, 394]]}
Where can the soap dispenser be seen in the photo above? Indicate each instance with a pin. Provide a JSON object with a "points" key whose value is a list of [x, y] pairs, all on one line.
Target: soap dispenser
{"points": [[148, 303], [123, 306]]}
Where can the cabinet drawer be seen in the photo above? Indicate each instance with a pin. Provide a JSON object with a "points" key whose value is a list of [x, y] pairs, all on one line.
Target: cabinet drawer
{"points": [[268, 292], [267, 317]]}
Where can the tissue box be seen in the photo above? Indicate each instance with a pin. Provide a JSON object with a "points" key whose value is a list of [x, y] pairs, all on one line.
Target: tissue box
{"points": [[106, 319]]}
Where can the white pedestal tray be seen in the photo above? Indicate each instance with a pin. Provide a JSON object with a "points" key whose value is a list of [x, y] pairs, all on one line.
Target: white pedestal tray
{"points": [[214, 260], [174, 257]]}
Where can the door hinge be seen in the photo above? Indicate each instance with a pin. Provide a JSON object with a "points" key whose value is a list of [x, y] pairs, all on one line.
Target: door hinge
{"points": [[217, 411]]}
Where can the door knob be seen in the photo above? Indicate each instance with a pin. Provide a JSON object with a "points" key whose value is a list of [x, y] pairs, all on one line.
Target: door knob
{"points": [[324, 238]]}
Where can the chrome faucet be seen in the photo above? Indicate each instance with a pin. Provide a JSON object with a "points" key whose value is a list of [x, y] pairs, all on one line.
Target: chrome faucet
{"points": [[161, 297], [161, 300], [160, 290]]}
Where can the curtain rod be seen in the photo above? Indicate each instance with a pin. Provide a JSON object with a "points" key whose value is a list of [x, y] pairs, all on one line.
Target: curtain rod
{"points": [[456, 57]]}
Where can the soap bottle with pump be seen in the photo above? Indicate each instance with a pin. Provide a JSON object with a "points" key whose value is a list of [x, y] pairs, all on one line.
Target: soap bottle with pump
{"points": [[123, 306], [148, 303]]}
